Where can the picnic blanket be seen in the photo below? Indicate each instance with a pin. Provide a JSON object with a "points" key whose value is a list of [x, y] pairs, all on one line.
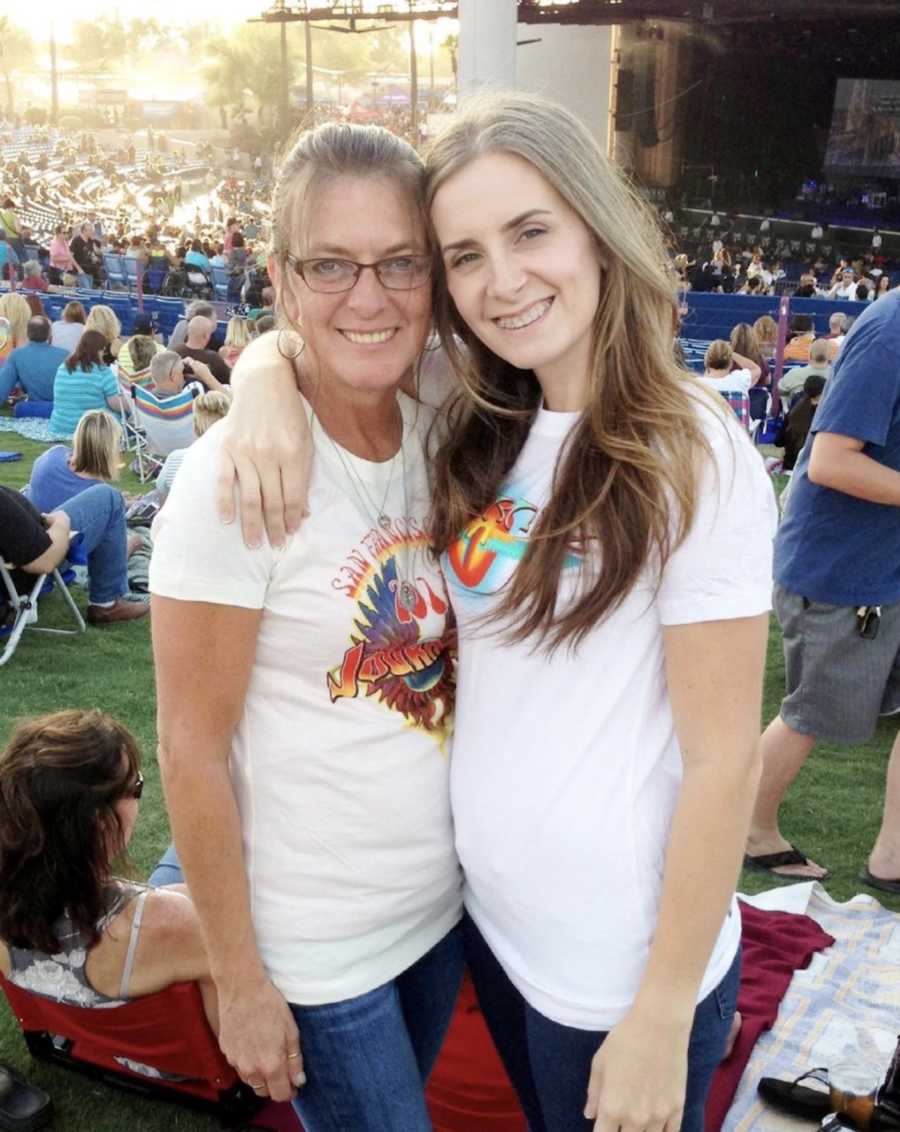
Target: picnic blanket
{"points": [[32, 428], [847, 999]]}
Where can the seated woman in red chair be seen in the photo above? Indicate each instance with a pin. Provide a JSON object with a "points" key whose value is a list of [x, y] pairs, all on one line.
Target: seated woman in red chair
{"points": [[71, 930]]}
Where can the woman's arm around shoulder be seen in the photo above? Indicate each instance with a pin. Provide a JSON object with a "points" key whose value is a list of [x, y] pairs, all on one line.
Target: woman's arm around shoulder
{"points": [[266, 444]]}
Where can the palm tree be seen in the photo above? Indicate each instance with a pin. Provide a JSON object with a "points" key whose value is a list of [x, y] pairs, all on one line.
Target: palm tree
{"points": [[226, 75], [451, 46]]}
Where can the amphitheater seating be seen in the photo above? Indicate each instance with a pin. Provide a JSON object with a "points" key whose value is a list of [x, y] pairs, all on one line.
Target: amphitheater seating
{"points": [[710, 315]]}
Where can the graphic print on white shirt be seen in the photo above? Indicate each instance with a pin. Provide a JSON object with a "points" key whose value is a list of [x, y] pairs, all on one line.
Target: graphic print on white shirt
{"points": [[391, 653]]}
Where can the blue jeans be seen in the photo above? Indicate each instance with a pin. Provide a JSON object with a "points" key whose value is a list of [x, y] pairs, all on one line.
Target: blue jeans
{"points": [[549, 1064], [99, 514], [367, 1059], [167, 871]]}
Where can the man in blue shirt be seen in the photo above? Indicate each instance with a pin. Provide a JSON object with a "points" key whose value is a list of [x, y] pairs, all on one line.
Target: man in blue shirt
{"points": [[837, 591], [34, 365]]}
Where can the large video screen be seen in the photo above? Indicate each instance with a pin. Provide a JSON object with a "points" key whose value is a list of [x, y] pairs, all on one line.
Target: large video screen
{"points": [[864, 139]]}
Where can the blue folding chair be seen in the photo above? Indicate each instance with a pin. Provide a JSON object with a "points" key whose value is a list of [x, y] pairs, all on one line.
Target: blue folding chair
{"points": [[115, 270], [221, 280]]}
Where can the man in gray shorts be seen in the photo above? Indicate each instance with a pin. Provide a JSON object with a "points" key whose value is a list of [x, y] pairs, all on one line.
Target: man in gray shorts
{"points": [[837, 592]]}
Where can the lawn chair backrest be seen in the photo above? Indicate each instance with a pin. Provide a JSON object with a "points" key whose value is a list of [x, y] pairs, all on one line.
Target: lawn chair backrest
{"points": [[167, 1031], [168, 424]]}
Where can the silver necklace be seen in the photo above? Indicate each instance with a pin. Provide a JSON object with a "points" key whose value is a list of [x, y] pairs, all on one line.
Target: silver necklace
{"points": [[407, 594]]}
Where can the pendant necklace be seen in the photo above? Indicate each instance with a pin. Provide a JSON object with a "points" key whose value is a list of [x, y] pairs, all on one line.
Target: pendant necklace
{"points": [[376, 516]]}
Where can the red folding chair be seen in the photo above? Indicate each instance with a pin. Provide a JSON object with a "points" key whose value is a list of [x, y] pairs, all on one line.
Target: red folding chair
{"points": [[167, 1030]]}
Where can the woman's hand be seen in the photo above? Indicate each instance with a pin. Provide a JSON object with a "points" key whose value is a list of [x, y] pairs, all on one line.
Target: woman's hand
{"points": [[259, 1037], [639, 1076], [266, 448]]}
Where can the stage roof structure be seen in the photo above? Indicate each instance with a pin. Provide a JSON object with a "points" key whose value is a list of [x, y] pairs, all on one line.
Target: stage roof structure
{"points": [[717, 12]]}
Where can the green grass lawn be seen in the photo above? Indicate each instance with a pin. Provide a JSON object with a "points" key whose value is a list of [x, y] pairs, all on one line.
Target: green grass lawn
{"points": [[833, 811]]}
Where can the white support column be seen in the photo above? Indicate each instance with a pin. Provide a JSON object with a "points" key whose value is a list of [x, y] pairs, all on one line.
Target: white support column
{"points": [[487, 45]]}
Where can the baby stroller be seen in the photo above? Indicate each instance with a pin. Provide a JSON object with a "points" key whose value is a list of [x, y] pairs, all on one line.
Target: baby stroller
{"points": [[197, 284]]}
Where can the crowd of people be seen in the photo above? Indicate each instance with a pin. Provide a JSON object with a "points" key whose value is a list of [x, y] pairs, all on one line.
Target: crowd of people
{"points": [[67, 203], [486, 478], [725, 257]]}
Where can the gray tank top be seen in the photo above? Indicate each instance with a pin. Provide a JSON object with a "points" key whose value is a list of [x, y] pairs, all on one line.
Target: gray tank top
{"points": [[62, 976]]}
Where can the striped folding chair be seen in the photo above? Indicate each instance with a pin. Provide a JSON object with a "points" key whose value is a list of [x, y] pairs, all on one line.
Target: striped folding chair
{"points": [[166, 424]]}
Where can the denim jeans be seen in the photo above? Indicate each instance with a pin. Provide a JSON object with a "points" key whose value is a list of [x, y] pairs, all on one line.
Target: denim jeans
{"points": [[99, 515], [549, 1064], [367, 1059], [167, 871]]}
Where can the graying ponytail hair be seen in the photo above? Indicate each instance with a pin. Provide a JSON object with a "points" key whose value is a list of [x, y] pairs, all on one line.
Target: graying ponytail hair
{"points": [[337, 149]]}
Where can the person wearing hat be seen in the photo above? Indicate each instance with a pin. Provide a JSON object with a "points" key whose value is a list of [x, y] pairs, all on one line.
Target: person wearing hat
{"points": [[845, 286], [134, 357]]}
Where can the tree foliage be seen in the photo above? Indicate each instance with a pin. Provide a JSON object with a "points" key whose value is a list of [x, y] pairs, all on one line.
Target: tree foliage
{"points": [[16, 54]]}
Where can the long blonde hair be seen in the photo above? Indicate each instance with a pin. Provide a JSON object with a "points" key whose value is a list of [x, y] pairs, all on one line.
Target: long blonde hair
{"points": [[238, 333], [97, 445], [104, 319], [17, 312], [635, 452]]}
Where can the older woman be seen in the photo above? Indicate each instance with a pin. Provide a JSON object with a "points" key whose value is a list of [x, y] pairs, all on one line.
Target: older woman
{"points": [[305, 690]]}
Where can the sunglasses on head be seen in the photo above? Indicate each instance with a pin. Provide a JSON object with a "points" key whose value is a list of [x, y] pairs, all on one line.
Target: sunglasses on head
{"points": [[137, 788]]}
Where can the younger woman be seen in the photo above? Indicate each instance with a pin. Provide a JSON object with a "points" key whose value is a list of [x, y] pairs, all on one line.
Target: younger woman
{"points": [[606, 535], [70, 784]]}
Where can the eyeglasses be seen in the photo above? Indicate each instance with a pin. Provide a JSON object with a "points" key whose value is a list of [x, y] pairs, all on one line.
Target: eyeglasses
{"points": [[330, 276], [137, 789]]}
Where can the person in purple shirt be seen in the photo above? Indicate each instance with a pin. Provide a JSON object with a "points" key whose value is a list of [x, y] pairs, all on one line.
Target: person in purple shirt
{"points": [[34, 365], [61, 472]]}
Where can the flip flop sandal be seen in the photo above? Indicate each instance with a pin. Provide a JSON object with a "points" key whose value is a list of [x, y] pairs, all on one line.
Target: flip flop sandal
{"points": [[768, 862], [883, 884], [797, 1099], [23, 1107]]}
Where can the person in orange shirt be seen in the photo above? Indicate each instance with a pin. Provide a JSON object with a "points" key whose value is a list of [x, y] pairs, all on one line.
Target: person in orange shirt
{"points": [[802, 336]]}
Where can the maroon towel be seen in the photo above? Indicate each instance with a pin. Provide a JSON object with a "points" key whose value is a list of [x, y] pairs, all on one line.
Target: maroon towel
{"points": [[469, 1090], [775, 945]]}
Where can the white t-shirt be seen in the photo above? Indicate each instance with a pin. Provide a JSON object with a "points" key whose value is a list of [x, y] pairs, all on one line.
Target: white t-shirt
{"points": [[340, 761], [566, 768], [738, 381]]}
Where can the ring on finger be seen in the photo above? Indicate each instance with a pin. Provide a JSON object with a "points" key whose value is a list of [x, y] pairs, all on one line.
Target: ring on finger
{"points": [[292, 1056]]}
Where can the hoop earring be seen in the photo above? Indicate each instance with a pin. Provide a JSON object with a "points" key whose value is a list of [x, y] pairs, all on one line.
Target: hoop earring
{"points": [[290, 357]]}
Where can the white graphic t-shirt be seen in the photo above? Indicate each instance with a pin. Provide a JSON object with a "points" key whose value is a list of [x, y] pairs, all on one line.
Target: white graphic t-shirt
{"points": [[566, 768], [340, 761]]}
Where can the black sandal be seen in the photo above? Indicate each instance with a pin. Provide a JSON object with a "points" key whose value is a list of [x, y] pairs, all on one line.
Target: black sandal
{"points": [[796, 1099], [23, 1107], [769, 862]]}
